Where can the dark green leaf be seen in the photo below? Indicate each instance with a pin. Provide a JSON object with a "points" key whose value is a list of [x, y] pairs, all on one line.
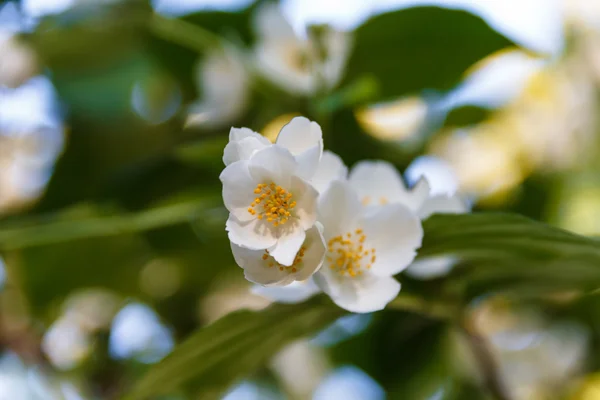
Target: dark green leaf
{"points": [[466, 116], [500, 235], [233, 347], [507, 250], [52, 271], [421, 48]]}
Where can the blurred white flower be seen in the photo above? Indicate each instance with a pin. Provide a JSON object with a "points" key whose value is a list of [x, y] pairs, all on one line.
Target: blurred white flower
{"points": [[19, 381], [224, 84], [300, 366], [228, 296], [261, 268], [537, 358], [431, 267], [398, 120], [298, 65], [66, 343], [349, 383], [440, 175], [138, 333], [302, 137], [366, 246], [251, 391], [93, 309], [295, 292], [18, 62], [270, 206], [31, 138]]}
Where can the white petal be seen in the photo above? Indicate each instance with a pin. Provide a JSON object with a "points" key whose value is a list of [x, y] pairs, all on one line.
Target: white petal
{"points": [[270, 23], [308, 162], [431, 267], [330, 168], [262, 267], [314, 253], [238, 190], [277, 61], [242, 149], [288, 244], [237, 134], [256, 269], [339, 208], [395, 233], [304, 139], [361, 294], [418, 195], [273, 164], [255, 234], [442, 204], [295, 292], [378, 182], [305, 197], [299, 135], [439, 173]]}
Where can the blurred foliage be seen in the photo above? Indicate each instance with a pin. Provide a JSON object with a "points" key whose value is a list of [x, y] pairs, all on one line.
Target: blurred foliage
{"points": [[415, 56]]}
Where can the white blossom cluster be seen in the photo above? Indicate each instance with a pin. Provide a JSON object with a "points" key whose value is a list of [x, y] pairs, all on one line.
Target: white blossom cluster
{"points": [[300, 66], [300, 223]]}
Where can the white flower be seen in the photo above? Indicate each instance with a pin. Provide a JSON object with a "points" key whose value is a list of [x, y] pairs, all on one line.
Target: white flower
{"points": [[66, 343], [224, 84], [302, 137], [330, 168], [261, 268], [378, 182], [294, 63], [18, 63], [295, 292], [270, 205], [366, 246], [138, 333]]}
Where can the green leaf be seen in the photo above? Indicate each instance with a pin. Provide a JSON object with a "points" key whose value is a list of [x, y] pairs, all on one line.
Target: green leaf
{"points": [[510, 251], [91, 35], [499, 235], [233, 347], [466, 116], [421, 48]]}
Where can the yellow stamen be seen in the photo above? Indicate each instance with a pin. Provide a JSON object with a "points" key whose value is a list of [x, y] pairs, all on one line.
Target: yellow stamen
{"points": [[347, 255], [296, 264], [273, 204]]}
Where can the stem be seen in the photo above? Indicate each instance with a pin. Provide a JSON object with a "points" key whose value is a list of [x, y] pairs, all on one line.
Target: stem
{"points": [[196, 38], [183, 33], [44, 230], [485, 360], [437, 310]]}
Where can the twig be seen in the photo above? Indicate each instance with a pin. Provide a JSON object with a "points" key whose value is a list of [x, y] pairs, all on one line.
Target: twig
{"points": [[46, 230], [485, 361], [415, 304]]}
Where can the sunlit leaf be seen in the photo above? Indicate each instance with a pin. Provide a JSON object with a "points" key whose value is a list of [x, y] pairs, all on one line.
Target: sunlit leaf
{"points": [[421, 48]]}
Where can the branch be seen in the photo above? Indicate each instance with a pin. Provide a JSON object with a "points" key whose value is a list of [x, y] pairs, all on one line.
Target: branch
{"points": [[485, 360], [45, 230]]}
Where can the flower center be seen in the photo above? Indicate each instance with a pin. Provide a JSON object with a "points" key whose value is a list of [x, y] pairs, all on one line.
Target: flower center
{"points": [[367, 200], [272, 203], [270, 261], [347, 254]]}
